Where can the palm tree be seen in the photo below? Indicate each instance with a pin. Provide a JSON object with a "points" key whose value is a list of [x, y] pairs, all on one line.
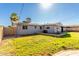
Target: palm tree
{"points": [[14, 18]]}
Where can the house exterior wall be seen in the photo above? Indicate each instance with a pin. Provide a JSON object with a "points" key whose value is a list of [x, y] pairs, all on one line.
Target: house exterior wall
{"points": [[29, 30], [32, 30], [52, 29]]}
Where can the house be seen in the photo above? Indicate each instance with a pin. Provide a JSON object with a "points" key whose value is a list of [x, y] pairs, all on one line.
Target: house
{"points": [[52, 28], [24, 28], [30, 28]]}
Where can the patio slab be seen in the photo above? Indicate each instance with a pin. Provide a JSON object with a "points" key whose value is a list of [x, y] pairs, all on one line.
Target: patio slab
{"points": [[67, 53]]}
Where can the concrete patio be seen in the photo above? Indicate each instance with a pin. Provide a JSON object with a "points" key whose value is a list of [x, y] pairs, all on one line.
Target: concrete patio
{"points": [[67, 53]]}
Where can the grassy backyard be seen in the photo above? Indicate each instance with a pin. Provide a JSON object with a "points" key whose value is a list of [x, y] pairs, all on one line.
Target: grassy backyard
{"points": [[37, 45]]}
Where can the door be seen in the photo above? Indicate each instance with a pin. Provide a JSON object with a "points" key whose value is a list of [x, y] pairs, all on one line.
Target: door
{"points": [[61, 29], [45, 31]]}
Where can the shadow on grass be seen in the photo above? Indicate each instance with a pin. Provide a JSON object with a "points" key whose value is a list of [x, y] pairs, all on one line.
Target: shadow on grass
{"points": [[52, 35], [17, 36], [65, 35]]}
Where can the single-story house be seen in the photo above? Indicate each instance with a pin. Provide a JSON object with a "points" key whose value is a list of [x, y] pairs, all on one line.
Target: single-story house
{"points": [[25, 29]]}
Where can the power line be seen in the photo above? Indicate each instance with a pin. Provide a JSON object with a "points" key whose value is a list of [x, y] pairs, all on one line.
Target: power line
{"points": [[22, 6]]}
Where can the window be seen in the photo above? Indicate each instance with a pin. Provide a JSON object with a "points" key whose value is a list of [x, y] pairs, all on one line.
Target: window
{"points": [[40, 27], [24, 27], [48, 27]]}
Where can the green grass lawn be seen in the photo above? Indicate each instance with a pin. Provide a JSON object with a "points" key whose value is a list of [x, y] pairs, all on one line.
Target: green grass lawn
{"points": [[37, 45]]}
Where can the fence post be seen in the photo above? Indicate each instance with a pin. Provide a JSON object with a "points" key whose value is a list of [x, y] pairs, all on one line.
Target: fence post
{"points": [[1, 33]]}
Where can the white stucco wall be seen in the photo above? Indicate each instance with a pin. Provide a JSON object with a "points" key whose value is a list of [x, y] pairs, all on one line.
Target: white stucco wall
{"points": [[32, 30], [29, 30], [52, 29]]}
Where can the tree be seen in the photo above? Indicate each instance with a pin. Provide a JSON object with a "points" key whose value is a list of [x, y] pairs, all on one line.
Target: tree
{"points": [[14, 18], [28, 20]]}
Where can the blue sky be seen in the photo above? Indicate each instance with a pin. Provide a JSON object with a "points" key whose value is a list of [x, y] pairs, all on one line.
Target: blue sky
{"points": [[67, 14]]}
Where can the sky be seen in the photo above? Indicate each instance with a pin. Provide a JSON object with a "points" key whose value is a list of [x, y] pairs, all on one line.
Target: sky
{"points": [[66, 13]]}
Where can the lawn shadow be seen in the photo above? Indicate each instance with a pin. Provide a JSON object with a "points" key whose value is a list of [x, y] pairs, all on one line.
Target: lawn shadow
{"points": [[17, 36], [65, 35], [46, 34]]}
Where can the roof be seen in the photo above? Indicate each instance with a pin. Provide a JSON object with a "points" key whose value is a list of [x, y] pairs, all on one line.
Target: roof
{"points": [[35, 24], [31, 24]]}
